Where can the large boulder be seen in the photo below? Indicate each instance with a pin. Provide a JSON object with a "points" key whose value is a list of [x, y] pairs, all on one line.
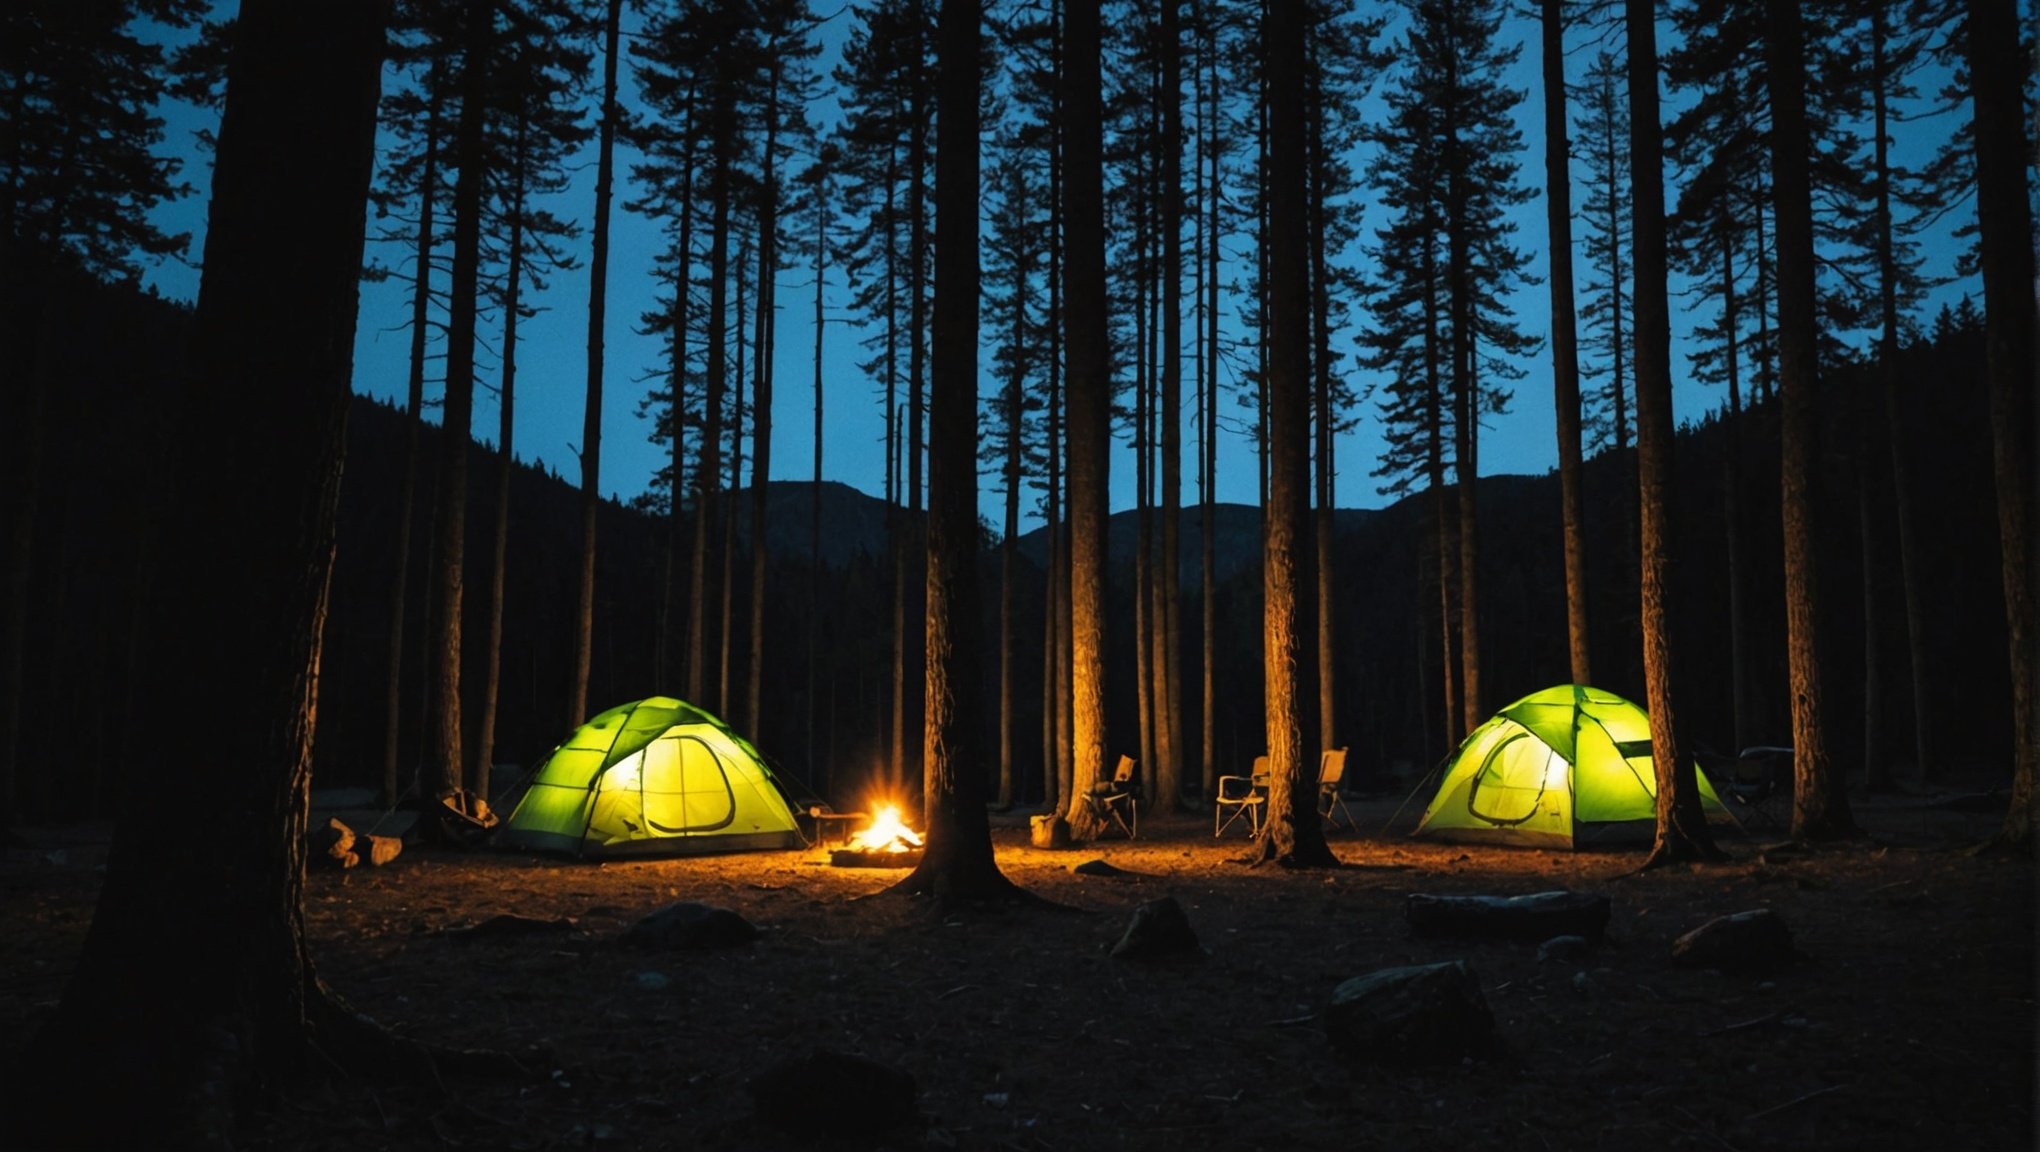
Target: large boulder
{"points": [[1423, 1014], [1537, 916], [1752, 942], [690, 927], [1159, 928], [835, 1095]]}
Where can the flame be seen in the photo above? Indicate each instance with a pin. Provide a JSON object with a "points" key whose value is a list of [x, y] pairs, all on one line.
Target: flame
{"points": [[887, 833]]}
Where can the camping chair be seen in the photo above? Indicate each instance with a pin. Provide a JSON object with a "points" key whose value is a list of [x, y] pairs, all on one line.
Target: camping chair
{"points": [[1241, 795], [1756, 780], [1331, 796], [1115, 800]]}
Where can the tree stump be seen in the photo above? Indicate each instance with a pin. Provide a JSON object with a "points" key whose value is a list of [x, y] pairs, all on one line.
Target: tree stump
{"points": [[1049, 831], [1538, 916]]}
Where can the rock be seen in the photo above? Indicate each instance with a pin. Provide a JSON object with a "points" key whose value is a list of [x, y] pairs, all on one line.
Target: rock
{"points": [[1159, 928], [1049, 831], [835, 1095], [509, 925], [1538, 916], [1424, 1014], [1099, 868], [1755, 941], [687, 926], [1562, 948], [652, 981]]}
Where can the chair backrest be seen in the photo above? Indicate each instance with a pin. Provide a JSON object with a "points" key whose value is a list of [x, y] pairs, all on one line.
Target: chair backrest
{"points": [[1260, 766], [1331, 768], [1123, 774]]}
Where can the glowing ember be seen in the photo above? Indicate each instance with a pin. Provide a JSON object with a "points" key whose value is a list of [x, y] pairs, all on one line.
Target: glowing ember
{"points": [[888, 833]]}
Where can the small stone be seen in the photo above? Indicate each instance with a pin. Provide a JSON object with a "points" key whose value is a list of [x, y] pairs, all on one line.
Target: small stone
{"points": [[998, 1099], [1562, 948], [653, 981], [1424, 1014], [1745, 942]]}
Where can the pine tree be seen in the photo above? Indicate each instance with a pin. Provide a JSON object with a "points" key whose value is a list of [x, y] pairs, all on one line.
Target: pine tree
{"points": [[1565, 365]]}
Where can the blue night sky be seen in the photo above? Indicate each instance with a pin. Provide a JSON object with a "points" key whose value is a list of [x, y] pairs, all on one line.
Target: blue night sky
{"points": [[552, 347]]}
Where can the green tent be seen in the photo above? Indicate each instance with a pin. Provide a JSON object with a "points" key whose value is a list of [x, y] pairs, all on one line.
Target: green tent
{"points": [[1556, 768], [653, 777]]}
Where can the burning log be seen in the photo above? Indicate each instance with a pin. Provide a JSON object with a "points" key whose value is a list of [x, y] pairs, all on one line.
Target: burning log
{"points": [[887, 843]]}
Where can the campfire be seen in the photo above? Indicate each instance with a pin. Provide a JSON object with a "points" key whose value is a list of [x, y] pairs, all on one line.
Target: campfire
{"points": [[886, 842]]}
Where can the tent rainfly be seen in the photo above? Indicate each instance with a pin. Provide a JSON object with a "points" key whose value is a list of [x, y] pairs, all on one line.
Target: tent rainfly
{"points": [[656, 777], [1559, 767]]}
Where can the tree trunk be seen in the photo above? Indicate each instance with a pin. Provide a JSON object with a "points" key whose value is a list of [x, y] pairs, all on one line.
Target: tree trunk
{"points": [[1565, 359], [421, 298], [195, 980], [499, 545], [673, 668], [591, 419], [1820, 809], [708, 466], [457, 412], [1207, 558], [1168, 769], [957, 861], [816, 770], [1292, 834], [761, 419], [2006, 221], [1682, 832], [1733, 552], [1089, 414], [1009, 545], [1323, 545]]}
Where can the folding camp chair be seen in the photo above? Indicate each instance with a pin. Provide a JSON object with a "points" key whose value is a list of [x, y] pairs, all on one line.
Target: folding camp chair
{"points": [[1241, 795], [1115, 800], [1331, 796], [1757, 781]]}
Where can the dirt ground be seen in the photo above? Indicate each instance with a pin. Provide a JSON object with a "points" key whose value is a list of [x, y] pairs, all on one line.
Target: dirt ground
{"points": [[1910, 1024]]}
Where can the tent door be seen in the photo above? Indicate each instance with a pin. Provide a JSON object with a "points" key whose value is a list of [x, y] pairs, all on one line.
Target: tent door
{"points": [[685, 787], [1509, 788]]}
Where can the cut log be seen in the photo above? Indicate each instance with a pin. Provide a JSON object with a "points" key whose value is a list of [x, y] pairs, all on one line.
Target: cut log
{"points": [[1537, 916], [1049, 831], [1425, 1014]]}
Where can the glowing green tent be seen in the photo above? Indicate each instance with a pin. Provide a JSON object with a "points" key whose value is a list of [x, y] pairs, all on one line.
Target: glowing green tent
{"points": [[1558, 767], [653, 777]]}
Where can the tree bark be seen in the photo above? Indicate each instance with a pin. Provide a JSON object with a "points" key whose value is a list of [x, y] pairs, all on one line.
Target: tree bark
{"points": [[2006, 220], [761, 408], [591, 418], [1168, 770], [957, 860], [1292, 834], [708, 465], [1682, 832], [1089, 387], [1820, 809], [195, 980], [421, 298], [1565, 357], [457, 412], [499, 545]]}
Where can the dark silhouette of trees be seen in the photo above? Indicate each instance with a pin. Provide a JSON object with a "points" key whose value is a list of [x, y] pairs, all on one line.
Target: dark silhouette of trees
{"points": [[195, 981], [535, 126], [78, 178], [1604, 140], [1681, 826]]}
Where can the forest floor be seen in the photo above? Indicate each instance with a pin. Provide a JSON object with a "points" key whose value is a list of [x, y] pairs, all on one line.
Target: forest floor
{"points": [[1910, 1024]]}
